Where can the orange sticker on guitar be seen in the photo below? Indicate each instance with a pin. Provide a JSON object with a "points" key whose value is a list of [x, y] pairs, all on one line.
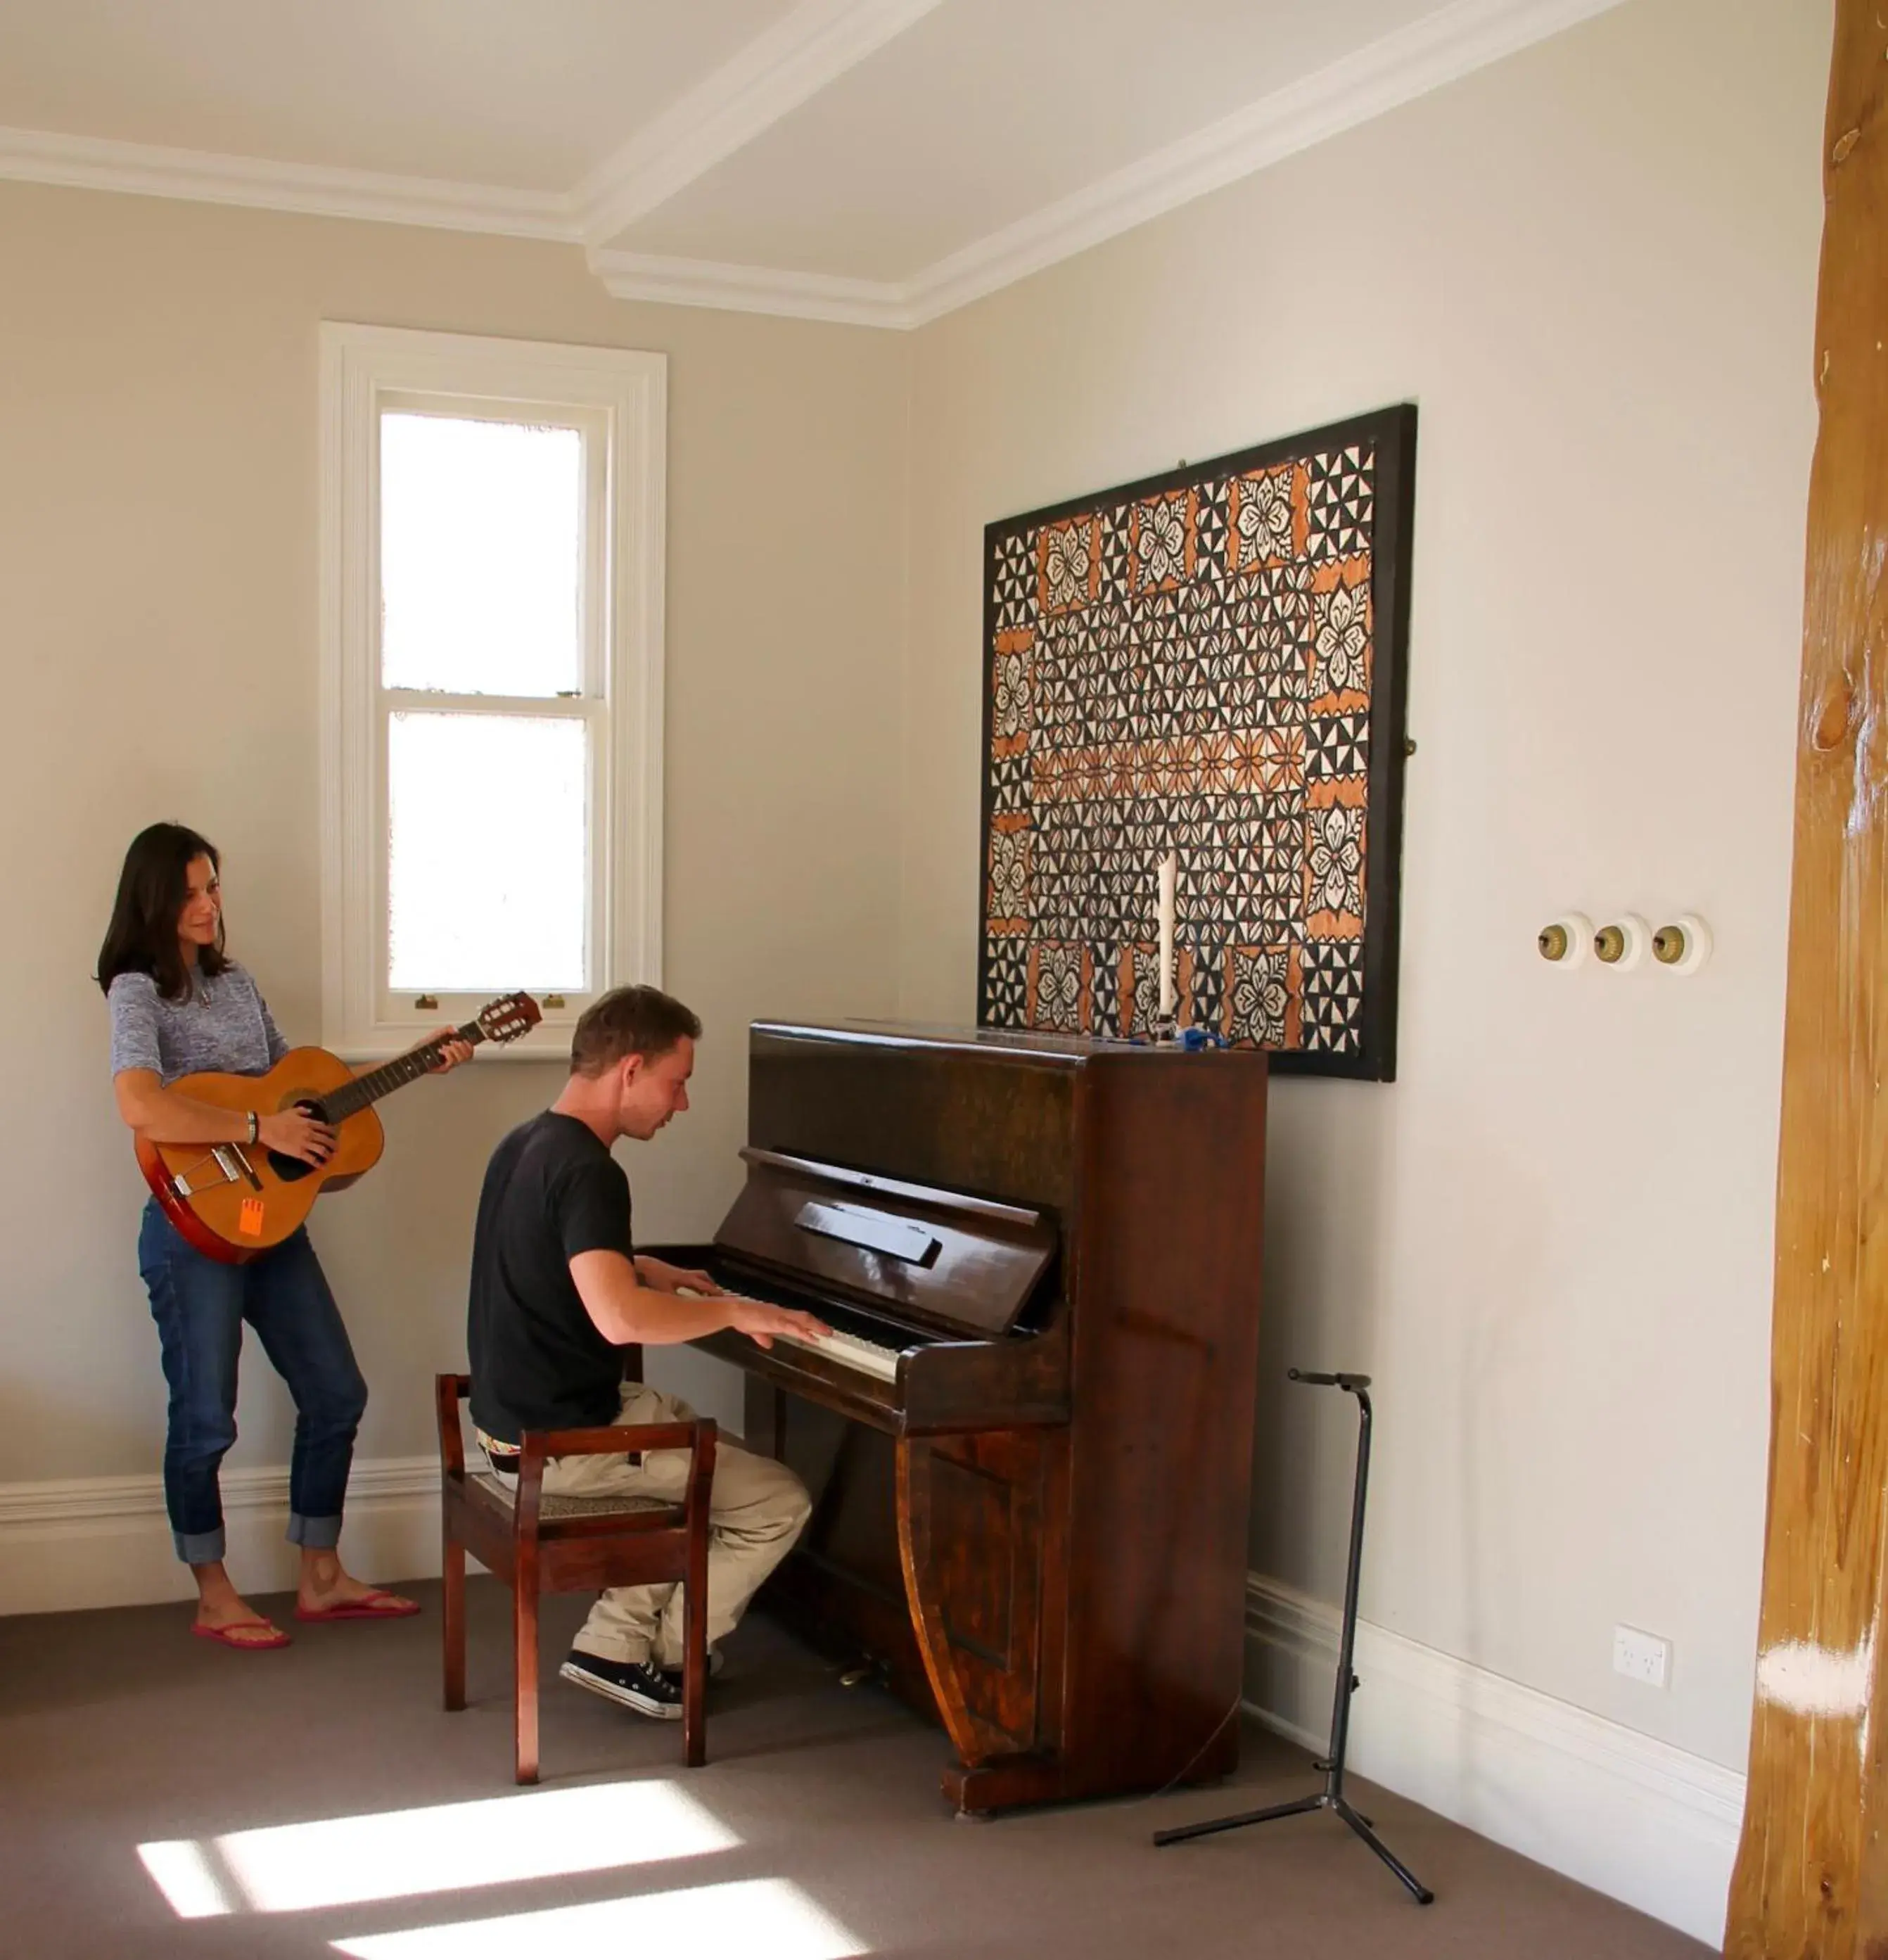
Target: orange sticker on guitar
{"points": [[249, 1221]]}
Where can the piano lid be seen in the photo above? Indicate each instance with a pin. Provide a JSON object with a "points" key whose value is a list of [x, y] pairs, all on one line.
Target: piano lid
{"points": [[938, 1259], [1020, 1044]]}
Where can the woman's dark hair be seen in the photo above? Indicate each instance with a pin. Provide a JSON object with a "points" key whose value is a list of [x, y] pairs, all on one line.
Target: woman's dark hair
{"points": [[152, 889]]}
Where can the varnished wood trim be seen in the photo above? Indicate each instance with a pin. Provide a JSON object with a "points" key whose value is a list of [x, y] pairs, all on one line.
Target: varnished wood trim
{"points": [[974, 1740], [1811, 1880], [892, 1187]]}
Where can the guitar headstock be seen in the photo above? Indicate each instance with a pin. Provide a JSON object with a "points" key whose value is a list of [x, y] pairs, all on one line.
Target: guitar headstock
{"points": [[507, 1019]]}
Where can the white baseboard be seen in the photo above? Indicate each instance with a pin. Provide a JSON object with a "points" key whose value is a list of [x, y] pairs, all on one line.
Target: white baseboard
{"points": [[1633, 1817], [105, 1540]]}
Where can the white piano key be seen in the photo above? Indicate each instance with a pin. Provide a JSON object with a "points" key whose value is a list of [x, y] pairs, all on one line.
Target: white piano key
{"points": [[866, 1357]]}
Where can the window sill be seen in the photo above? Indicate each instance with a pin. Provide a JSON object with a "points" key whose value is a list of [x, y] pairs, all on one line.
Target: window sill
{"points": [[361, 1053]]}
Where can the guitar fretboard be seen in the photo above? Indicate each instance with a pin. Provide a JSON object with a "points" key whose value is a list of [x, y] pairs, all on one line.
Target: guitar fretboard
{"points": [[355, 1096]]}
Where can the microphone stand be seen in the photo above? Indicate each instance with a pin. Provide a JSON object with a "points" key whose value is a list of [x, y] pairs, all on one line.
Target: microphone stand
{"points": [[1332, 1796]]}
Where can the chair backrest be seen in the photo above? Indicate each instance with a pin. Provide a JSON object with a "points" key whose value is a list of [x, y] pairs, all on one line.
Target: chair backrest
{"points": [[449, 1391], [552, 1516], [552, 1509]]}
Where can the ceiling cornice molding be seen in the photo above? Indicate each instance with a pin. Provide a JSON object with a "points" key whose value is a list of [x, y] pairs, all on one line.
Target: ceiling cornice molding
{"points": [[807, 51], [151, 170], [1455, 42], [706, 282], [812, 46], [1411, 62]]}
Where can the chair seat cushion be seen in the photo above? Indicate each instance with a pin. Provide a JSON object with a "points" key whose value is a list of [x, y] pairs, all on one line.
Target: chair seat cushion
{"points": [[550, 1506]]}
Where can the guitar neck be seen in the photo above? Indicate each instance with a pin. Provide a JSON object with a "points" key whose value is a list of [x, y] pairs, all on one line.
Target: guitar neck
{"points": [[363, 1089]]}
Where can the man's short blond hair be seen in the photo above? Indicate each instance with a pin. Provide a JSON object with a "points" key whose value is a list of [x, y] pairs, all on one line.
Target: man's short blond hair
{"points": [[627, 1021]]}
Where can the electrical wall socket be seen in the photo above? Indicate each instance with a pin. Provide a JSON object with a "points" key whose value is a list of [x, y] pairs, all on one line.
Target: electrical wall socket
{"points": [[1641, 1657]]}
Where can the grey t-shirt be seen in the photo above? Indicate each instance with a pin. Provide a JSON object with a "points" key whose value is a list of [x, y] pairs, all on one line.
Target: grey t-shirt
{"points": [[225, 1025]]}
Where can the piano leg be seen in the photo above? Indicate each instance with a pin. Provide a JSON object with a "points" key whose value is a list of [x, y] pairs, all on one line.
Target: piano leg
{"points": [[1002, 1783], [971, 1514], [937, 1556]]}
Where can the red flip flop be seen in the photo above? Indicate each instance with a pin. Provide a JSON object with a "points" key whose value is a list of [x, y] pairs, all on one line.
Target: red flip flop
{"points": [[221, 1636], [363, 1608]]}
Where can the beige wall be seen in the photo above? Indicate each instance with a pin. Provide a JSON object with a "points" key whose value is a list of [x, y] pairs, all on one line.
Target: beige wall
{"points": [[1592, 267], [157, 603]]}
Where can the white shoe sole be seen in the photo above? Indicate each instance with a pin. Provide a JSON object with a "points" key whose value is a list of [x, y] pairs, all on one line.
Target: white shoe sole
{"points": [[624, 1697]]}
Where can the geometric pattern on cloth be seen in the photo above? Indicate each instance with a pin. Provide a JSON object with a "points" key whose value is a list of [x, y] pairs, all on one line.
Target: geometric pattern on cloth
{"points": [[1339, 503], [1192, 667], [1334, 993]]}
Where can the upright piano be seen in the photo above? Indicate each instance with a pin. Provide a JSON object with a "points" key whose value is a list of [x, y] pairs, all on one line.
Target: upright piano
{"points": [[1030, 1446]]}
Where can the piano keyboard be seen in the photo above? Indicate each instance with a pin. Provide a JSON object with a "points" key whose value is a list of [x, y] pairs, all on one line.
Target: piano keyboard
{"points": [[847, 1349], [867, 1357]]}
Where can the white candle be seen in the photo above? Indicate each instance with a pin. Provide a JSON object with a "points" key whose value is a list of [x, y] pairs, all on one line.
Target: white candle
{"points": [[1169, 872]]}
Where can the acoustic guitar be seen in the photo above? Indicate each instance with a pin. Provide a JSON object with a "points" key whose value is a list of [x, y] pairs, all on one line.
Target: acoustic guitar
{"points": [[232, 1200]]}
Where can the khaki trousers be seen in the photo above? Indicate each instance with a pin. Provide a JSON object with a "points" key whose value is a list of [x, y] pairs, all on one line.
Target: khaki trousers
{"points": [[757, 1508]]}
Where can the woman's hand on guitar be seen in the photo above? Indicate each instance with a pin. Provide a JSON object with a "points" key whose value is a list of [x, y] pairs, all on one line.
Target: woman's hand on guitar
{"points": [[293, 1133], [452, 1055]]}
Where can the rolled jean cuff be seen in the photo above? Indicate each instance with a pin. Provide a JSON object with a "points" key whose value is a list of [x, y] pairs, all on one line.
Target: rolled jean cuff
{"points": [[314, 1534], [199, 1548]]}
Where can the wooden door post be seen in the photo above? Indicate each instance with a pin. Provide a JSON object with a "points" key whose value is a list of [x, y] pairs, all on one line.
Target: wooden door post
{"points": [[1812, 1875]]}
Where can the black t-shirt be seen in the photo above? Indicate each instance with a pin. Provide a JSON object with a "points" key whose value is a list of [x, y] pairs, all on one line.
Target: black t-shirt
{"points": [[551, 1190]]}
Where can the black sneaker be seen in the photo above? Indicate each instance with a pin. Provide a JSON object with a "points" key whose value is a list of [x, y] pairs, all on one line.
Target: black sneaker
{"points": [[630, 1682], [717, 1660]]}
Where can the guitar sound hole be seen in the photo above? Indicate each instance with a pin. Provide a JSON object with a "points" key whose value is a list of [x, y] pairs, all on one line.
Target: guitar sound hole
{"points": [[291, 1170]]}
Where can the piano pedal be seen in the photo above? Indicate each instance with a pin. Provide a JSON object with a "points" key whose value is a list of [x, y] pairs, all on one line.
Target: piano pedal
{"points": [[863, 1672]]}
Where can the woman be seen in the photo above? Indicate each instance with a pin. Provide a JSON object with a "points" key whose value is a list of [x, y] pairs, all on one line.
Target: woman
{"points": [[179, 1005]]}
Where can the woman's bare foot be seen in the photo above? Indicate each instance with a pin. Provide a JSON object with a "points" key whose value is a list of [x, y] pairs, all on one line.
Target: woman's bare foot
{"points": [[327, 1586], [222, 1611]]}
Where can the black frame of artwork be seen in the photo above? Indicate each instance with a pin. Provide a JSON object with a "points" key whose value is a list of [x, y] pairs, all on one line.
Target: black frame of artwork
{"points": [[1391, 434]]}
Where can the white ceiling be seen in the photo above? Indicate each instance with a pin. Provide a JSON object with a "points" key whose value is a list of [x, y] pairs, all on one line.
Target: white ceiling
{"points": [[880, 160], [527, 94]]}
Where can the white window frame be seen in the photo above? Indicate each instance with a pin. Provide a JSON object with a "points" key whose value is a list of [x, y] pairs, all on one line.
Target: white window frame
{"points": [[619, 398]]}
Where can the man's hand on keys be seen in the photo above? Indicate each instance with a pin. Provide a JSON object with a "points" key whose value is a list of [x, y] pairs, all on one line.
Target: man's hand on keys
{"points": [[761, 1321], [660, 1277]]}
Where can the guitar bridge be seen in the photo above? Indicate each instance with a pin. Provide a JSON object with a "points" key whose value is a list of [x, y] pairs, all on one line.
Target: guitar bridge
{"points": [[228, 1158]]}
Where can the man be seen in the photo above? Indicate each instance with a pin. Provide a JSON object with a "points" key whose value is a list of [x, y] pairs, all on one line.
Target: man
{"points": [[558, 1290]]}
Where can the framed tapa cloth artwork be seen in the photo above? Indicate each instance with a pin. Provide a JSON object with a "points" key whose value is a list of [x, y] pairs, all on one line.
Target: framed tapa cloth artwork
{"points": [[1211, 662]]}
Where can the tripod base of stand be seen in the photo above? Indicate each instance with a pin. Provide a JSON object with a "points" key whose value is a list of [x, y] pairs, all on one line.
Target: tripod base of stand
{"points": [[1332, 1797], [1323, 1800]]}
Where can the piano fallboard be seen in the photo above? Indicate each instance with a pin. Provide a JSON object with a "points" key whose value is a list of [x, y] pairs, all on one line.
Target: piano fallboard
{"points": [[943, 1387], [964, 1267]]}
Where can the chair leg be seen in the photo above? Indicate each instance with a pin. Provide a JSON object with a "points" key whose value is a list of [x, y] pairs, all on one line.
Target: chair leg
{"points": [[452, 1622], [524, 1620], [695, 1674]]}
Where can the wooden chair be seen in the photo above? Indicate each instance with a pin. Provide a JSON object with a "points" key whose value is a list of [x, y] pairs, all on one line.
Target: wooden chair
{"points": [[538, 1544]]}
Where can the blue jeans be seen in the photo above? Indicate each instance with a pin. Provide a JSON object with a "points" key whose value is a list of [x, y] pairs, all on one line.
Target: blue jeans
{"points": [[200, 1306]]}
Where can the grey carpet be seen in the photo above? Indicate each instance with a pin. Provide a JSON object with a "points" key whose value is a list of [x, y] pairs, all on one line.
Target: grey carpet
{"points": [[117, 1730]]}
